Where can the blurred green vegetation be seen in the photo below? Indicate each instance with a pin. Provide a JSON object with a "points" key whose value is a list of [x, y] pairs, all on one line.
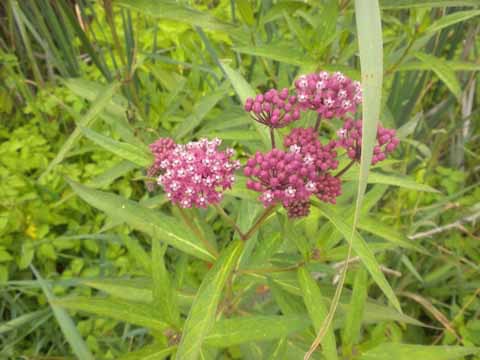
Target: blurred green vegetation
{"points": [[135, 70]]}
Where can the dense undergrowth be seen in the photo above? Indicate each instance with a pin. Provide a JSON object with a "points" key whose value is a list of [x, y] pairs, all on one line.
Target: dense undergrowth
{"points": [[75, 281]]}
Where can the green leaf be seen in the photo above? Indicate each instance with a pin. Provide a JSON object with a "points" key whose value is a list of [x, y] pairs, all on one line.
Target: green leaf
{"points": [[172, 10], [285, 53], [199, 111], [154, 223], [317, 310], [236, 331], [130, 312], [353, 322], [136, 290], [150, 352], [396, 351], [402, 4], [21, 320], [390, 179], [164, 300], [246, 11], [100, 102], [244, 90], [374, 226], [79, 347], [369, 29], [201, 318], [138, 252], [452, 64], [451, 19], [135, 154], [361, 249], [443, 71]]}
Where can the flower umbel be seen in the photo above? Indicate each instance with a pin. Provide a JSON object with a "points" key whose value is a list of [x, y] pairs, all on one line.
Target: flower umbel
{"points": [[330, 95], [305, 142], [160, 150], [280, 177], [350, 138], [274, 109], [196, 174]]}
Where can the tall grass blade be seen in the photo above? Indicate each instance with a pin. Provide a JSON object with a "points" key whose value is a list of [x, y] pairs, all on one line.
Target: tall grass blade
{"points": [[79, 347]]}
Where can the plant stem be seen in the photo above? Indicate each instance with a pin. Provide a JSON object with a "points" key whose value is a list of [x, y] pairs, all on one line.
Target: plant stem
{"points": [[198, 233], [223, 214], [345, 169], [317, 123], [272, 137], [259, 222]]}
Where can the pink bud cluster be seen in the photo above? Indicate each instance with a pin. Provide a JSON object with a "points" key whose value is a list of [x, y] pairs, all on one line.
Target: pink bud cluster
{"points": [[305, 142], [350, 138], [298, 209], [195, 174], [281, 177], [292, 177], [329, 188], [160, 150], [330, 95], [274, 109]]}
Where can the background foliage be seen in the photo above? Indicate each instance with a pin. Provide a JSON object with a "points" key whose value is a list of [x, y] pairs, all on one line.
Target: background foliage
{"points": [[86, 85]]}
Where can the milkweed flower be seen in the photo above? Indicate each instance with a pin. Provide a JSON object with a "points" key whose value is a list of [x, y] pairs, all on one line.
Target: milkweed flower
{"points": [[305, 142], [350, 138], [160, 150], [196, 174], [298, 209], [280, 177], [274, 109], [330, 95], [292, 177]]}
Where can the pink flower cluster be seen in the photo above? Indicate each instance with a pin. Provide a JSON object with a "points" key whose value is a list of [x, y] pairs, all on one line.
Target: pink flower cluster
{"points": [[292, 177], [274, 109], [305, 142], [330, 95], [194, 174], [160, 150], [281, 176], [350, 138]]}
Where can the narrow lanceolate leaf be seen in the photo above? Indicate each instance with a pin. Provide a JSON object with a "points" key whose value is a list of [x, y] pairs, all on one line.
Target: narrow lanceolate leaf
{"points": [[390, 179], [79, 347], [201, 318], [285, 53], [362, 250], [21, 320], [130, 312], [133, 153], [164, 299], [443, 71], [172, 10], [317, 310], [451, 19], [370, 45], [244, 90], [402, 4], [154, 223], [236, 331], [353, 322], [378, 228], [199, 111], [455, 65], [397, 351], [369, 30], [150, 352], [100, 102]]}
